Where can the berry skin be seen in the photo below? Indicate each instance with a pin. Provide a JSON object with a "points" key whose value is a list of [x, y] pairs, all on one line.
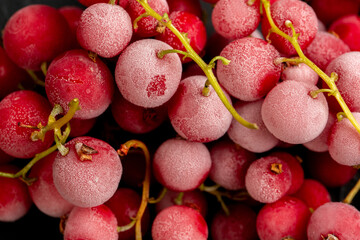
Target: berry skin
{"points": [[43, 191], [234, 19], [339, 219], [348, 30], [268, 179], [287, 217], [179, 222], [87, 182], [30, 46], [190, 112], [240, 78], [74, 75], [302, 17], [95, 223], [15, 200], [28, 108], [105, 29], [149, 83], [189, 24], [181, 165], [305, 117]]}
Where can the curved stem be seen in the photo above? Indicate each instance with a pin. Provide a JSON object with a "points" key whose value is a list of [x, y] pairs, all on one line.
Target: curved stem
{"points": [[179, 199], [330, 81], [35, 78], [73, 107], [199, 61], [348, 199], [159, 198], [146, 183], [127, 226], [22, 173]]}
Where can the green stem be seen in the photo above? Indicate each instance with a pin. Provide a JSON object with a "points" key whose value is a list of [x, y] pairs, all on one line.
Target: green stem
{"points": [[330, 81], [160, 197], [127, 226], [146, 183], [199, 61], [73, 107], [35, 78], [179, 199], [348, 199], [22, 173]]}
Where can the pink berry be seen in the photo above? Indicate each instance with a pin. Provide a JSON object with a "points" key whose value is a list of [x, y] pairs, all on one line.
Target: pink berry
{"points": [[229, 164], [297, 172], [196, 117], [43, 191], [292, 114], [300, 72], [287, 217], [240, 78], [338, 219], [181, 165], [324, 48], [235, 19], [344, 142], [96, 223], [87, 182], [30, 46], [268, 179], [194, 199], [15, 199], [302, 17], [179, 222], [260, 140], [143, 78], [74, 75], [346, 67], [320, 143], [20, 108], [146, 25], [105, 29]]}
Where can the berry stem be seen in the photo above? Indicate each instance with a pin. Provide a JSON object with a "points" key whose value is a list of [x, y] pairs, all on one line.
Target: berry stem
{"points": [[35, 78], [52, 124], [329, 80], [127, 226], [164, 20], [348, 199], [159, 198], [146, 183], [22, 173]]}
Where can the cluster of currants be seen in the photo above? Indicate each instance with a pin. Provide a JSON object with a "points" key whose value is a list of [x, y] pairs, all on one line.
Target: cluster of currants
{"points": [[103, 101]]}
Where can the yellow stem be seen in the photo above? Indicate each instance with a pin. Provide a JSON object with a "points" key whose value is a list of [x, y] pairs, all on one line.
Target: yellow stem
{"points": [[161, 196], [328, 80], [348, 199], [146, 183], [198, 60], [73, 107]]}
